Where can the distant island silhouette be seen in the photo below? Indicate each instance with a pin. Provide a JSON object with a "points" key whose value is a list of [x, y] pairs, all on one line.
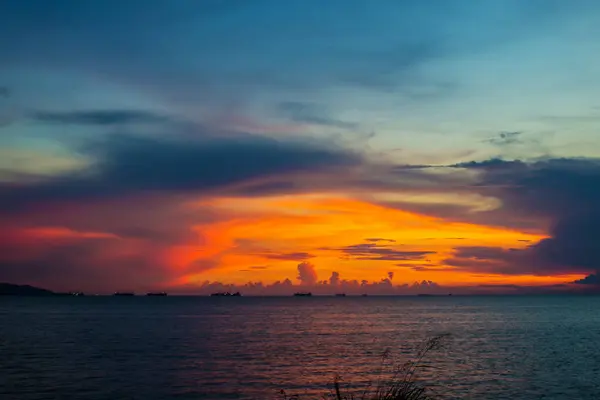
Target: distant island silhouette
{"points": [[8, 289]]}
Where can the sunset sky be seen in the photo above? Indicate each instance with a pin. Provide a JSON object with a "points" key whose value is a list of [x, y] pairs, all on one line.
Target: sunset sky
{"points": [[271, 146]]}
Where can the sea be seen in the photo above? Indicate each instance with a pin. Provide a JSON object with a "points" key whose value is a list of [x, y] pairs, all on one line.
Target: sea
{"points": [[176, 347]]}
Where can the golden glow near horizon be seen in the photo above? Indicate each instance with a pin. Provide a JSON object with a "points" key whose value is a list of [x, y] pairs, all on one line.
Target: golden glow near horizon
{"points": [[261, 231]]}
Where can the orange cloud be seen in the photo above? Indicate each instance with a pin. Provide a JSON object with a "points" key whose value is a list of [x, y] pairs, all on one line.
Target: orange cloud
{"points": [[323, 227]]}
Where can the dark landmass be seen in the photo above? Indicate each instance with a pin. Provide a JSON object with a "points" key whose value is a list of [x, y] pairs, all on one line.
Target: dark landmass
{"points": [[8, 289]]}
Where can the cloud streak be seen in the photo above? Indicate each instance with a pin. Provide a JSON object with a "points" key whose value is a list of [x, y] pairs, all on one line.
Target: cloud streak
{"points": [[296, 256], [99, 117], [507, 138], [379, 252], [312, 114]]}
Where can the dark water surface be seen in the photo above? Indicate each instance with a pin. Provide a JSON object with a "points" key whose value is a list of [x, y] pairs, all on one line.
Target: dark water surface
{"points": [[538, 347]]}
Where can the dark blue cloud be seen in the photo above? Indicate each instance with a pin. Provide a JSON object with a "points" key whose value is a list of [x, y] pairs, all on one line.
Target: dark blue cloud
{"points": [[592, 279], [564, 191], [555, 188], [129, 165]]}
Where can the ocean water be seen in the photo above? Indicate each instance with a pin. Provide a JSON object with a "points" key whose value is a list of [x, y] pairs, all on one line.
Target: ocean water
{"points": [[536, 347]]}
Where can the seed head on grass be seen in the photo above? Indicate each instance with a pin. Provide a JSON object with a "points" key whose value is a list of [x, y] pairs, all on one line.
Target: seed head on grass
{"points": [[403, 383]]}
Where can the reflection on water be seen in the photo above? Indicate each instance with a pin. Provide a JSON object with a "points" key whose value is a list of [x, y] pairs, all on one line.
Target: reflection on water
{"points": [[250, 348]]}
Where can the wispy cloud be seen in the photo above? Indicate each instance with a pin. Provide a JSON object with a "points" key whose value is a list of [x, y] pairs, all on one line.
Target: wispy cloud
{"points": [[258, 267], [310, 113], [375, 240], [99, 117], [379, 252], [507, 138], [296, 256]]}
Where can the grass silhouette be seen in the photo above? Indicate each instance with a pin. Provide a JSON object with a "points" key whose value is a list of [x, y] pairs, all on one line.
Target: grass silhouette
{"points": [[401, 384]]}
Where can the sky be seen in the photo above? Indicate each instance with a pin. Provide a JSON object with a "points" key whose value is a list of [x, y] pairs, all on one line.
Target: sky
{"points": [[388, 147]]}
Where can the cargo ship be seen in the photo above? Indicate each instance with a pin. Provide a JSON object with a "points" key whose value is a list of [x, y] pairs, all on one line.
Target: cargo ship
{"points": [[226, 294]]}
